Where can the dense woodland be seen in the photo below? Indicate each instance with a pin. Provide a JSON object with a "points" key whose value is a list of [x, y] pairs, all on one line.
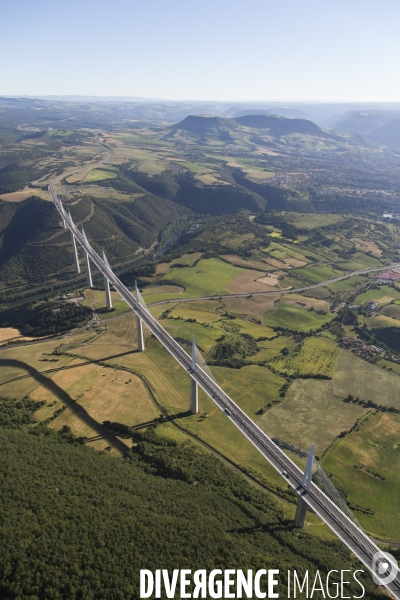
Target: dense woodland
{"points": [[45, 318], [77, 524]]}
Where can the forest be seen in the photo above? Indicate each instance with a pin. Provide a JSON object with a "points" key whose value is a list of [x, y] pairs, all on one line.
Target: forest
{"points": [[45, 318], [79, 524]]}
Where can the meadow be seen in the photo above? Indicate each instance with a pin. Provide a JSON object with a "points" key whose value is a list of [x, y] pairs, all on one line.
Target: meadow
{"points": [[384, 295], [317, 274], [317, 356], [295, 318], [208, 278], [211, 313], [272, 348], [367, 462], [346, 284], [381, 321], [392, 310], [365, 381], [169, 385], [308, 404], [99, 175]]}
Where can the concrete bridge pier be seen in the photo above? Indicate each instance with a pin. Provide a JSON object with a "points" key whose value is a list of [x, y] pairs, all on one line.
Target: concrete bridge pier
{"points": [[301, 511], [139, 324], [140, 338], [75, 254], [108, 294], [89, 281], [74, 250], [194, 388], [107, 283]]}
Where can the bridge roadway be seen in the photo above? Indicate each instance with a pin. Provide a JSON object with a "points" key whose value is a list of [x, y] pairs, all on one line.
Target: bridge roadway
{"points": [[355, 539]]}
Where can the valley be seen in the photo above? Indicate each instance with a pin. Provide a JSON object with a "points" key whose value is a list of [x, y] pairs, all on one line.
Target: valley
{"points": [[270, 262]]}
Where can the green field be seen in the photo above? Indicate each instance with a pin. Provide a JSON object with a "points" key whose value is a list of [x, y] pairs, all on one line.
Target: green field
{"points": [[205, 336], [320, 293], [346, 284], [295, 318], [312, 220], [384, 295], [209, 277], [349, 265], [280, 251], [375, 448], [193, 167], [251, 387], [272, 348], [368, 382], [99, 175], [367, 261], [183, 311], [318, 356], [186, 259], [253, 329], [119, 307], [381, 321], [393, 311], [213, 318], [310, 414], [316, 274]]}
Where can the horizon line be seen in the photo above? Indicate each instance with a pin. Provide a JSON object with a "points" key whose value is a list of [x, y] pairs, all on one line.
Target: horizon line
{"points": [[209, 100]]}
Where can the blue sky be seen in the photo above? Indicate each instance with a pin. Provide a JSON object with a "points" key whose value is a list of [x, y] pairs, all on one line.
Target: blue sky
{"points": [[202, 50]]}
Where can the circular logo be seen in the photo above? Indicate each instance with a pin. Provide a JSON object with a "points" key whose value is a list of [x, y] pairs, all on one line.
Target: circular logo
{"points": [[384, 568]]}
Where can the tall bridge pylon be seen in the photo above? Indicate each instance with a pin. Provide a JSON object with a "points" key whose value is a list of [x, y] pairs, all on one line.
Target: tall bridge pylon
{"points": [[87, 263], [139, 326], [74, 249], [106, 281], [301, 511], [194, 388]]}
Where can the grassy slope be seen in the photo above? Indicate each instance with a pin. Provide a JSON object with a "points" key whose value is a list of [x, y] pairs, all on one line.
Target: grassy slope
{"points": [[310, 414], [207, 278], [295, 318], [374, 446], [318, 356], [383, 295]]}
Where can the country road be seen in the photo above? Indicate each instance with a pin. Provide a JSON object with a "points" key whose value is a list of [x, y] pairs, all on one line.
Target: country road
{"points": [[280, 292]]}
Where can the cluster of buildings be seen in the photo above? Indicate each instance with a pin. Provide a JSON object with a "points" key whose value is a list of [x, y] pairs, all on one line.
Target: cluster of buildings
{"points": [[372, 308], [391, 216], [194, 228], [389, 275], [360, 347]]}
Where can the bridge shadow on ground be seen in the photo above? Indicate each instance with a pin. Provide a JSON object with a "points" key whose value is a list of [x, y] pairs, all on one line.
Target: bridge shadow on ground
{"points": [[158, 420], [109, 357], [53, 370], [78, 410]]}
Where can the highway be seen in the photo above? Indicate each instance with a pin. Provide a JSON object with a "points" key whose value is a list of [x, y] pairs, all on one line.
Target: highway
{"points": [[284, 290], [355, 539]]}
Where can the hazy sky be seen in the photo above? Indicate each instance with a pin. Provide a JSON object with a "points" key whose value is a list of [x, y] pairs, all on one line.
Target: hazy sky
{"points": [[202, 49]]}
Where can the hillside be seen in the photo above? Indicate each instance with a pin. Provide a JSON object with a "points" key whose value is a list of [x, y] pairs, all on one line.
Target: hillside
{"points": [[362, 122], [279, 126], [33, 246], [388, 134], [204, 127], [280, 111], [81, 524]]}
